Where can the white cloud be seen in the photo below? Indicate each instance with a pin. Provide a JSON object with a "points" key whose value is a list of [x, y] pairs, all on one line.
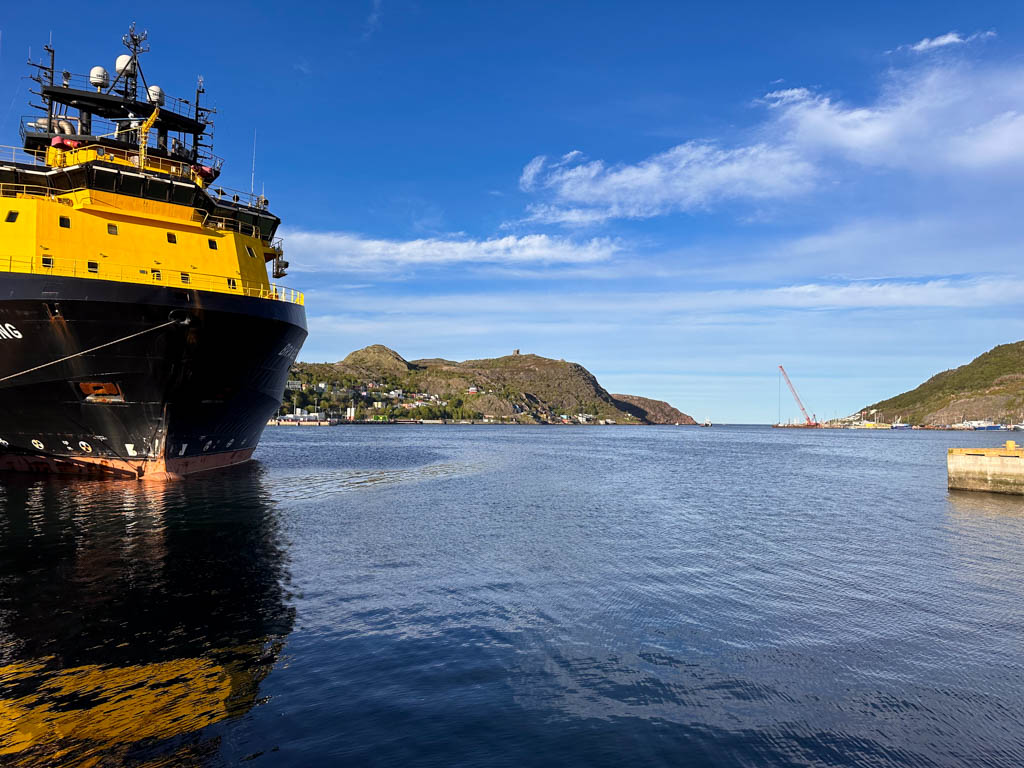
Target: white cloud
{"points": [[686, 177], [345, 251], [372, 23], [530, 172], [787, 96], [950, 38], [943, 119], [667, 307]]}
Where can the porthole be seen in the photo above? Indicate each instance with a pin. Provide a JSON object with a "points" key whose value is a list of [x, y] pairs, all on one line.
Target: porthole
{"points": [[85, 446], [185, 278], [232, 284], [38, 445], [65, 222], [93, 266], [171, 237], [11, 217], [212, 243], [47, 262], [111, 229], [155, 274]]}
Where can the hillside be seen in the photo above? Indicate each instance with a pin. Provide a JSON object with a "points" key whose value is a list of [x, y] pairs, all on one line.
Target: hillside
{"points": [[524, 388], [652, 411], [989, 387]]}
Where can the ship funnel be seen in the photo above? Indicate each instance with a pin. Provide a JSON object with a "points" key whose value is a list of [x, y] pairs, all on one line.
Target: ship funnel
{"points": [[156, 95], [98, 78], [125, 65]]}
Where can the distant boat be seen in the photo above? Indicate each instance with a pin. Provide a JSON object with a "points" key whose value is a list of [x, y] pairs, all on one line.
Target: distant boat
{"points": [[707, 422]]}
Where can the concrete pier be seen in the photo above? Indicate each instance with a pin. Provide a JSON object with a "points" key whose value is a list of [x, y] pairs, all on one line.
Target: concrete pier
{"points": [[999, 470]]}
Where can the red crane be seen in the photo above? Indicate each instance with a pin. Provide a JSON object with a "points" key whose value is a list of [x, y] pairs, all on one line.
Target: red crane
{"points": [[810, 422]]}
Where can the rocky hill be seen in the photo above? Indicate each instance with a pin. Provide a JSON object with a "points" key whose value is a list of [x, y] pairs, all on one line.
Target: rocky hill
{"points": [[989, 387], [652, 411], [526, 388]]}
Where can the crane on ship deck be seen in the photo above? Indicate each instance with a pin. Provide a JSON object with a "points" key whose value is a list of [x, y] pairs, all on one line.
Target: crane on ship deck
{"points": [[809, 421]]}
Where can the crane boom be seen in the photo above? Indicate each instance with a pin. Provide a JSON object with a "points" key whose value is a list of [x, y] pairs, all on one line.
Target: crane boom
{"points": [[796, 396]]}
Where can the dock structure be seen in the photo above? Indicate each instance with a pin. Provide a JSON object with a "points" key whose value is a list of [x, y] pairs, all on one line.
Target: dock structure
{"points": [[998, 470]]}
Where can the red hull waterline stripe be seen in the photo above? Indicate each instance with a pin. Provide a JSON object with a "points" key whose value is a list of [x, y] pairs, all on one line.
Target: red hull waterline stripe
{"points": [[157, 470]]}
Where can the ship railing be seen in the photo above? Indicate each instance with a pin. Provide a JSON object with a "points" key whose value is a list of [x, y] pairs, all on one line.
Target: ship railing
{"points": [[87, 153], [101, 269], [171, 103], [251, 199], [20, 155], [83, 196], [125, 156], [34, 190], [228, 225]]}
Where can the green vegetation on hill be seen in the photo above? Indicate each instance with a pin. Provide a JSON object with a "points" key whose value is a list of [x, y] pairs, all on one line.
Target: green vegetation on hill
{"points": [[989, 387], [521, 388]]}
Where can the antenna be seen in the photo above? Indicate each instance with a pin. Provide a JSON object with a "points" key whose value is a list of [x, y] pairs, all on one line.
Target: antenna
{"points": [[252, 179]]}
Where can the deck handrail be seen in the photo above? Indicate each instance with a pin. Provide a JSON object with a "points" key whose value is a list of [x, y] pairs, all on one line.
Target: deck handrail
{"points": [[199, 216], [99, 269]]}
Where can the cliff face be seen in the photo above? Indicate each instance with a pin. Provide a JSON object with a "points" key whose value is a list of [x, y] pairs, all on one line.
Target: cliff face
{"points": [[989, 387], [653, 411], [523, 387]]}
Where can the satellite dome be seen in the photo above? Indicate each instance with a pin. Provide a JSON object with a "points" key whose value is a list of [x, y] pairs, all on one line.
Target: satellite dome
{"points": [[156, 95], [98, 77], [125, 64]]}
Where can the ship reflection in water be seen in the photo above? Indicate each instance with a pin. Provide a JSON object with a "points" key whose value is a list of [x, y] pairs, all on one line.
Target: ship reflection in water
{"points": [[132, 616]]}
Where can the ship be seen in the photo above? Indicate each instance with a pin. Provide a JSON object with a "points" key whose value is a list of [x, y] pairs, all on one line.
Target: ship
{"points": [[141, 335]]}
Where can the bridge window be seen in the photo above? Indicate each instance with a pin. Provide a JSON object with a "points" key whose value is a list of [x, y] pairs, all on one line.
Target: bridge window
{"points": [[213, 244], [111, 229], [93, 266], [232, 284], [171, 237], [250, 251], [185, 277], [12, 216], [48, 262], [65, 222]]}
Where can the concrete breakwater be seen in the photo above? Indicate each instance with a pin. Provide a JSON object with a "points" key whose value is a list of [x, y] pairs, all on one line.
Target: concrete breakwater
{"points": [[999, 470]]}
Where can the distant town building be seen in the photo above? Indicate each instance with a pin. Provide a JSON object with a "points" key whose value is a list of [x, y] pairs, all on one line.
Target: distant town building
{"points": [[293, 385]]}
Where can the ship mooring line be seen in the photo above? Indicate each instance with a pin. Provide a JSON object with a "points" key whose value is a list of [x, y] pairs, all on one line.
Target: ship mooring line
{"points": [[88, 351]]}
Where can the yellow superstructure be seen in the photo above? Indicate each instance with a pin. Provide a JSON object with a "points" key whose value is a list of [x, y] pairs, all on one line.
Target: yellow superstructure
{"points": [[104, 235]]}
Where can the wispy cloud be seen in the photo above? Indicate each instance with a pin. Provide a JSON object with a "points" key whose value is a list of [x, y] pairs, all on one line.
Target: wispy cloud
{"points": [[950, 38], [938, 119], [349, 252], [372, 23], [641, 308], [530, 172], [686, 177]]}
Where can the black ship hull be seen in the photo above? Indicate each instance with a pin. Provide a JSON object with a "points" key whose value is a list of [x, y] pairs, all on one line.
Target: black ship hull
{"points": [[142, 381]]}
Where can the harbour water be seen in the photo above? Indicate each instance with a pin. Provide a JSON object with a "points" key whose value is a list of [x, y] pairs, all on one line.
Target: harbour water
{"points": [[518, 596]]}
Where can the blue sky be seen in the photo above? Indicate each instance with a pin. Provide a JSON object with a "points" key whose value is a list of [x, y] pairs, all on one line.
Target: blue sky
{"points": [[677, 197]]}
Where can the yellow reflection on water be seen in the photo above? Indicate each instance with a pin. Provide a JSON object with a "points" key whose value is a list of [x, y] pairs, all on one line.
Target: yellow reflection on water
{"points": [[76, 716]]}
